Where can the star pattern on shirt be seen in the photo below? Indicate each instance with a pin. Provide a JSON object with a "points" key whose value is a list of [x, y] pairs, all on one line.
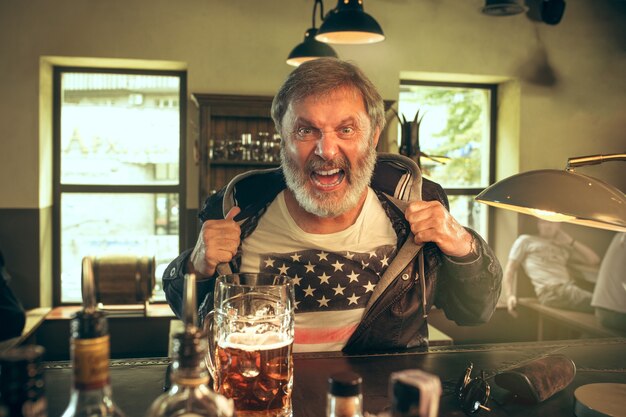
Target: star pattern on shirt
{"points": [[323, 302], [354, 299], [323, 256], [325, 280], [339, 289], [296, 279], [369, 287], [353, 277], [338, 266], [309, 291]]}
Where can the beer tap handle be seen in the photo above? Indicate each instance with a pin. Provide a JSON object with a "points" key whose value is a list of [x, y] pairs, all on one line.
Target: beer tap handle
{"points": [[190, 309]]}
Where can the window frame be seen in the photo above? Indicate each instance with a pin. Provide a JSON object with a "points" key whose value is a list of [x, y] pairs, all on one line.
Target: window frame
{"points": [[493, 125], [59, 189]]}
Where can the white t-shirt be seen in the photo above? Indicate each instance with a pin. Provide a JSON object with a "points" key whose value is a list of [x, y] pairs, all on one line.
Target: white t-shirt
{"points": [[610, 289], [542, 260], [334, 274]]}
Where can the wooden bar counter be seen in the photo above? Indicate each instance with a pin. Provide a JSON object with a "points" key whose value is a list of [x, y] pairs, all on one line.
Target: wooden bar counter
{"points": [[137, 382]]}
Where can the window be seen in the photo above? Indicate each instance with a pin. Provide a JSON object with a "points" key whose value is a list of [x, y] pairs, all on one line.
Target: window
{"points": [[457, 132], [118, 169]]}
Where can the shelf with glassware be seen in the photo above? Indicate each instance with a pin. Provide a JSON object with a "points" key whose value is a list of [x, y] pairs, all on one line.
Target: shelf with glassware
{"points": [[235, 134]]}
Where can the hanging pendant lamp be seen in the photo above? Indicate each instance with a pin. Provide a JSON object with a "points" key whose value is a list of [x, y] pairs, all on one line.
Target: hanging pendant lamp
{"points": [[349, 24], [311, 48]]}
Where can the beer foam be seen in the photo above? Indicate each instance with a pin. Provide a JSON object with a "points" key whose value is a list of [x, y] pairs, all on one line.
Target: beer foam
{"points": [[255, 341]]}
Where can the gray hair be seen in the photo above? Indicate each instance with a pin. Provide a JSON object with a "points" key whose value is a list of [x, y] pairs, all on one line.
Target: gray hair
{"points": [[322, 76]]}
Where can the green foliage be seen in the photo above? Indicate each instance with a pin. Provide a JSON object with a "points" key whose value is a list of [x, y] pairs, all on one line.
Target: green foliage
{"points": [[461, 138]]}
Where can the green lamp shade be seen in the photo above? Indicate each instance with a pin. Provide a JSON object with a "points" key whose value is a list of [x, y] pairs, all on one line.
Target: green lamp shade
{"points": [[349, 24], [309, 49], [557, 195]]}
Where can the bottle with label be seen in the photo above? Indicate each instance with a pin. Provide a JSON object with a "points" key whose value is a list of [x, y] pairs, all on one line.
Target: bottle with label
{"points": [[189, 394], [344, 395], [22, 392], [91, 394]]}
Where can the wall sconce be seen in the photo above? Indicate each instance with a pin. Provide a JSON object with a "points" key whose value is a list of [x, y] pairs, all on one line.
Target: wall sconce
{"points": [[503, 8], [563, 196], [311, 48], [349, 24], [546, 11]]}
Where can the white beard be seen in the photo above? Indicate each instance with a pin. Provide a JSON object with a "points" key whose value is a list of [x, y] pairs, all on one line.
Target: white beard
{"points": [[334, 203]]}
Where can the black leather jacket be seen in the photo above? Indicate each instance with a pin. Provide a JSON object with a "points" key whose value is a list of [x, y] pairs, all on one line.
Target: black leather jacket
{"points": [[417, 278]]}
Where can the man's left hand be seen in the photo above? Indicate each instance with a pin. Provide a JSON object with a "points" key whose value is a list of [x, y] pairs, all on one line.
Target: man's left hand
{"points": [[431, 222]]}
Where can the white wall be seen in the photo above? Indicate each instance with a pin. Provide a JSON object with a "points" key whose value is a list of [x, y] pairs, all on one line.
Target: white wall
{"points": [[239, 47]]}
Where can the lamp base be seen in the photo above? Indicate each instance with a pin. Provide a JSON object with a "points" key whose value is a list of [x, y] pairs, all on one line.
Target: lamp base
{"points": [[600, 400]]}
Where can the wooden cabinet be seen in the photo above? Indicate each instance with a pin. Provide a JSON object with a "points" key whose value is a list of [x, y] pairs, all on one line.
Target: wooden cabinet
{"points": [[241, 125], [225, 118]]}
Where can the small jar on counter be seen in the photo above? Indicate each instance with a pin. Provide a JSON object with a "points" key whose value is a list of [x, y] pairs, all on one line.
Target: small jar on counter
{"points": [[345, 398], [414, 393]]}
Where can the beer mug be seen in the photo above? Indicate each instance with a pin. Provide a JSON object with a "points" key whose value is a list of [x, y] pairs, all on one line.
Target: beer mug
{"points": [[250, 335]]}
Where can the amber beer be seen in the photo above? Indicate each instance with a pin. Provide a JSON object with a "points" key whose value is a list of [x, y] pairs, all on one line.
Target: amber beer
{"points": [[256, 371]]}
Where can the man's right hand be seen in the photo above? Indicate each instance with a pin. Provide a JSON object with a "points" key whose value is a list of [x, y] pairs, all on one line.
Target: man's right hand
{"points": [[217, 243], [511, 303]]}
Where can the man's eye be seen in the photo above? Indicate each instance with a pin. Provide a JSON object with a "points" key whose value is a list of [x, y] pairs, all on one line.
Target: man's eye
{"points": [[306, 133], [347, 131]]}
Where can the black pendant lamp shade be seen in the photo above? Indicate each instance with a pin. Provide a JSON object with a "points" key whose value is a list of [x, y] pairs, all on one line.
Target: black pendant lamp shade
{"points": [[503, 8], [311, 48], [349, 24]]}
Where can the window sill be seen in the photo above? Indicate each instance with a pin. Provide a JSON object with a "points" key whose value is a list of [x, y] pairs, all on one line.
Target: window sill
{"points": [[116, 311]]}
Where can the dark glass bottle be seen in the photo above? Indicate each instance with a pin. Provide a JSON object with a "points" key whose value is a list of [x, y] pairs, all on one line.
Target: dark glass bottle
{"points": [[91, 394], [22, 392], [189, 394]]}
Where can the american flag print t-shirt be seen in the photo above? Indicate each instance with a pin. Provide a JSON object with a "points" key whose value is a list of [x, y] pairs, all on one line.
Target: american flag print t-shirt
{"points": [[334, 274]]}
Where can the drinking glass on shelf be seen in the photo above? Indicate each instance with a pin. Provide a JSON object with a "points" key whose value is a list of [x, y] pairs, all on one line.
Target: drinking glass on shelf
{"points": [[250, 335], [263, 139], [275, 149], [218, 151], [267, 151], [256, 151], [246, 144], [235, 149]]}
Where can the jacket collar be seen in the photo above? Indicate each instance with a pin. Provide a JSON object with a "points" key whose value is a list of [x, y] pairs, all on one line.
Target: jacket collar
{"points": [[395, 175]]}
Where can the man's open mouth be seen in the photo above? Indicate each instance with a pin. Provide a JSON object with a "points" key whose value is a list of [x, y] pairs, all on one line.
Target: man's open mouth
{"points": [[328, 178]]}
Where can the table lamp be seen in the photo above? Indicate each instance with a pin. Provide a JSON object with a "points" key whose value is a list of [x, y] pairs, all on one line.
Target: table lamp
{"points": [[563, 195], [567, 196]]}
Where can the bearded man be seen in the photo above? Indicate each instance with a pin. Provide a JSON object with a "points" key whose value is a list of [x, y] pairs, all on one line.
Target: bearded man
{"points": [[369, 244]]}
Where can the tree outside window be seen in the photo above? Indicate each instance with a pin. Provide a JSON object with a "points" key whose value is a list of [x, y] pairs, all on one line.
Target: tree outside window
{"points": [[457, 134]]}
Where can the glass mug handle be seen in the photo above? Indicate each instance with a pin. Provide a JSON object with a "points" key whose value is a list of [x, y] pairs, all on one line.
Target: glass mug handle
{"points": [[208, 331]]}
